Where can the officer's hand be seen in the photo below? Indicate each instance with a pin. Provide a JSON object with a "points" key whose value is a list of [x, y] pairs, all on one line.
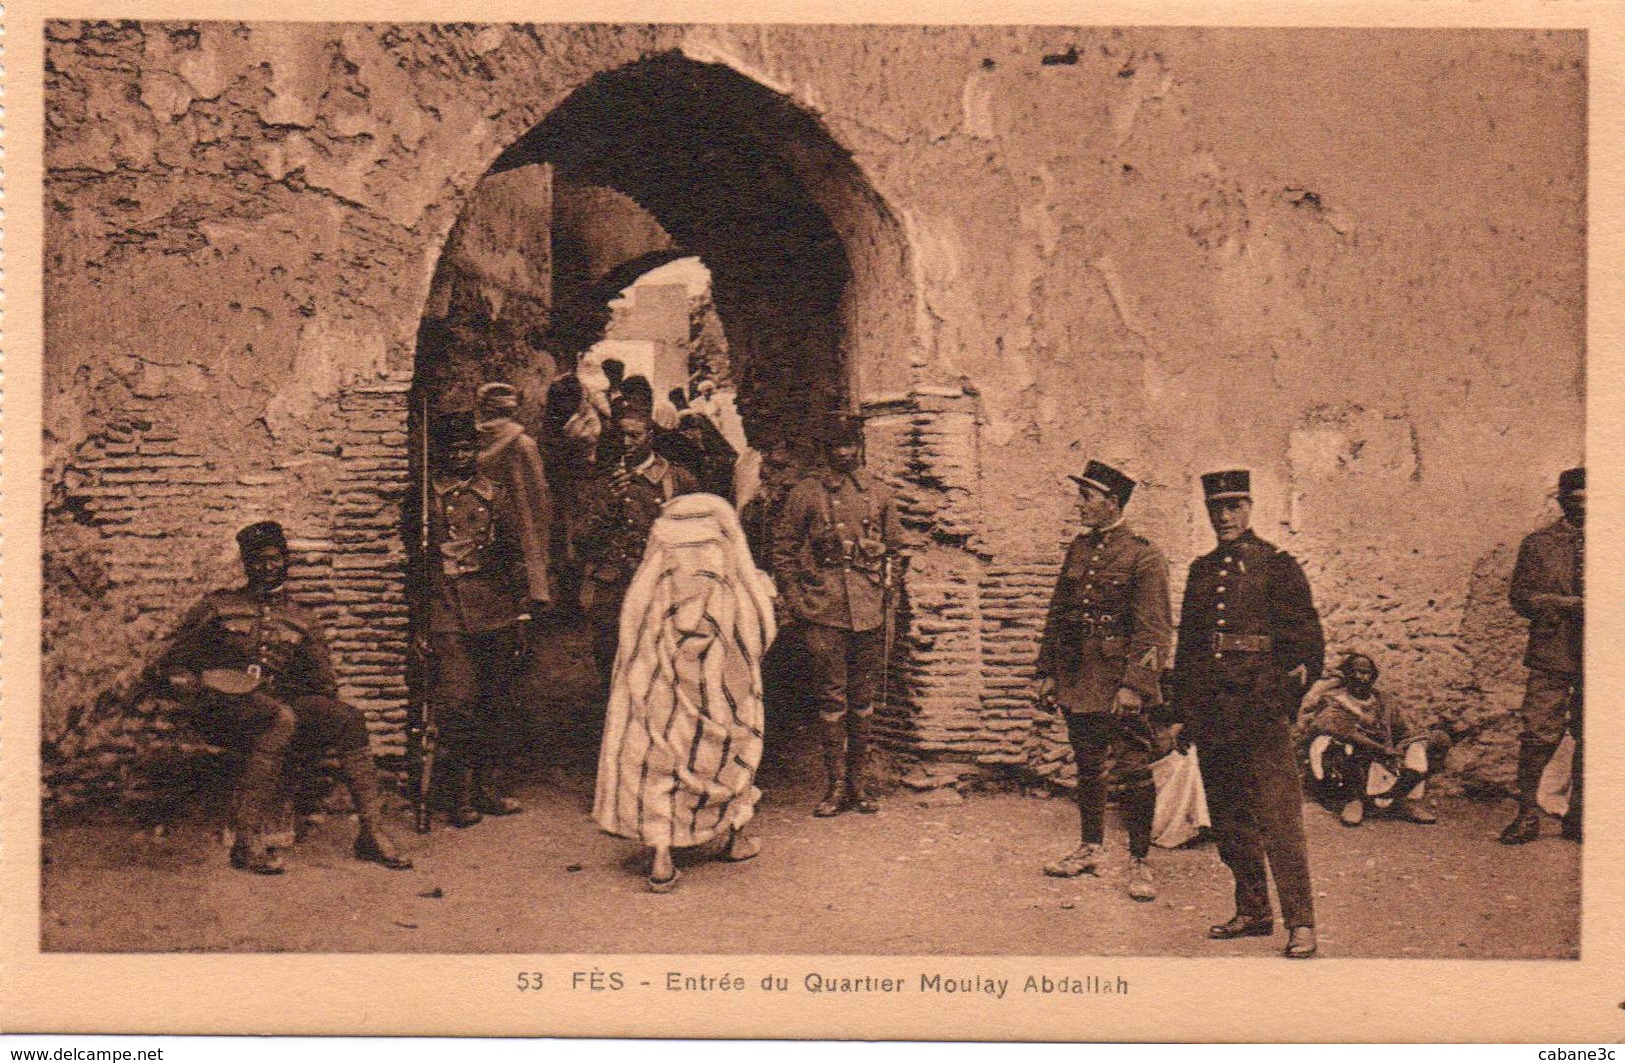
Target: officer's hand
{"points": [[1181, 741], [184, 682], [620, 477], [1044, 692], [1127, 702]]}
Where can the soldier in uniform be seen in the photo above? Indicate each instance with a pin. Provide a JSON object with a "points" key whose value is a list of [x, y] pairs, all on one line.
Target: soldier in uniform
{"points": [[1100, 664], [1548, 587], [832, 549], [1250, 644], [477, 582], [611, 545], [255, 668], [761, 513]]}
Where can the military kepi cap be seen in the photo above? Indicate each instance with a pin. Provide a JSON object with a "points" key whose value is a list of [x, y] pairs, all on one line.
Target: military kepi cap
{"points": [[261, 534], [1103, 477], [841, 428], [1571, 480], [1232, 483], [456, 426], [498, 397]]}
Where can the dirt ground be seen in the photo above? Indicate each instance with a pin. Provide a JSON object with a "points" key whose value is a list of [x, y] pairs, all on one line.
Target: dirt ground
{"points": [[928, 875]]}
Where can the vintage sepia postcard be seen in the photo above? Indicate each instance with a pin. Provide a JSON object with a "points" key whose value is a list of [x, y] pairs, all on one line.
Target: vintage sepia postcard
{"points": [[1057, 523]]}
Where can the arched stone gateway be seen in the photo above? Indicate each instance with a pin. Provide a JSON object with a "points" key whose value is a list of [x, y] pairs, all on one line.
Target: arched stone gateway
{"points": [[1011, 264], [811, 275], [669, 157]]}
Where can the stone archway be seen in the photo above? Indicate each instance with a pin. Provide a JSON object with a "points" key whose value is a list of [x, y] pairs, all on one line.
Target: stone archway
{"points": [[809, 270]]}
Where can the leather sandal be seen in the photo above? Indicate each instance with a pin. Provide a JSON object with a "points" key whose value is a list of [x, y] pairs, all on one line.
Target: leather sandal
{"points": [[664, 885], [740, 847]]}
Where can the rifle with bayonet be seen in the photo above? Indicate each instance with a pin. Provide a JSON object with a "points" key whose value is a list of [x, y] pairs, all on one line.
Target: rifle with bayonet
{"points": [[423, 734]]}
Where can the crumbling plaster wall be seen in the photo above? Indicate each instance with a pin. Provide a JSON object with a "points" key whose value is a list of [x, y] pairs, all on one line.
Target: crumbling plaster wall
{"points": [[1352, 260]]}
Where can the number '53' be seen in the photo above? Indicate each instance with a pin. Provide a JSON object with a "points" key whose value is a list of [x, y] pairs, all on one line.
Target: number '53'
{"points": [[529, 980]]}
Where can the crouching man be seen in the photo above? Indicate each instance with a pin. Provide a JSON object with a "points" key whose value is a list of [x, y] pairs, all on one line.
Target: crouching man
{"points": [[254, 667], [1363, 751]]}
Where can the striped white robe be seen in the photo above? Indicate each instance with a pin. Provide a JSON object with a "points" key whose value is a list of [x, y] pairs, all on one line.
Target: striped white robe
{"points": [[683, 729]]}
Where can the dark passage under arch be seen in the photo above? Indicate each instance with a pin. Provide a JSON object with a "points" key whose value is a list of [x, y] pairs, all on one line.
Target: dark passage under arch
{"points": [[721, 162]]}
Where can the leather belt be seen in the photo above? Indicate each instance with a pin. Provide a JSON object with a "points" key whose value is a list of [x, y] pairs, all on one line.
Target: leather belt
{"points": [[1227, 643], [1097, 627]]}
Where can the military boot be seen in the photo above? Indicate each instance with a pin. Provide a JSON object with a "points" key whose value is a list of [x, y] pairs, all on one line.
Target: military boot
{"points": [[257, 788], [834, 802], [460, 810], [1532, 759], [488, 798], [857, 764], [371, 842]]}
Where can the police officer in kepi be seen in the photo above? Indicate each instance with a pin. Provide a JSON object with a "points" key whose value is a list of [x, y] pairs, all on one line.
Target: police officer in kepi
{"points": [[833, 548], [1100, 664], [474, 583], [253, 667], [1548, 588], [1250, 643]]}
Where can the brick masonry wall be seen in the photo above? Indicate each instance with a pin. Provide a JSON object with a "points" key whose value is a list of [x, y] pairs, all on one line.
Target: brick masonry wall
{"points": [[1188, 267], [140, 491]]}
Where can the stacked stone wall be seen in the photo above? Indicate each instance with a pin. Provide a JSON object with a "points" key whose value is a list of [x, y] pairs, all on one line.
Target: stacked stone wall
{"points": [[145, 500]]}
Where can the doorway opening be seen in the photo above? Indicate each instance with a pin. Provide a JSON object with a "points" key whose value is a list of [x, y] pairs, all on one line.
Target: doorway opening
{"points": [[687, 221]]}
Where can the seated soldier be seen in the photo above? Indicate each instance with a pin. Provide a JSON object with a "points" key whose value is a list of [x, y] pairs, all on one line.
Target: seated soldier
{"points": [[1363, 751], [254, 667]]}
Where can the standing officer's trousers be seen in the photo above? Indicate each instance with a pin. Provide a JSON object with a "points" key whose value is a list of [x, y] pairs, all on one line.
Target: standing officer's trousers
{"points": [[1255, 800]]}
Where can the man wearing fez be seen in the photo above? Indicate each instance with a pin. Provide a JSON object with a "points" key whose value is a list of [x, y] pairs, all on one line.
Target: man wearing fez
{"points": [[832, 548], [254, 666], [1548, 588], [510, 458], [476, 583], [1250, 644], [1100, 664], [625, 501]]}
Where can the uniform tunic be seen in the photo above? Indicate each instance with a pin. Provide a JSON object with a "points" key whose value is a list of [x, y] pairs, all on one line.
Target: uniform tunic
{"points": [[1109, 628], [612, 543], [1250, 643], [824, 570], [476, 570], [1109, 624], [1552, 561], [477, 584], [274, 635], [829, 549]]}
